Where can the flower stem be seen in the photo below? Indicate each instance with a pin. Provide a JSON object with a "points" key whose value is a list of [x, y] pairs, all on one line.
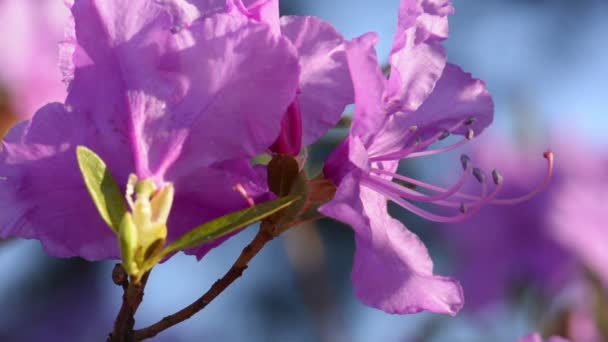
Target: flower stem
{"points": [[240, 265], [133, 294]]}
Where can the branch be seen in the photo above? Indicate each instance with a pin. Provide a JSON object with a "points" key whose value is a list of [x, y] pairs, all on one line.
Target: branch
{"points": [[240, 265], [133, 294]]}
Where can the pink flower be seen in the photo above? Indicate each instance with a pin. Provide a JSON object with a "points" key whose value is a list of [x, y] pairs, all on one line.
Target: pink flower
{"points": [[424, 100], [170, 101]]}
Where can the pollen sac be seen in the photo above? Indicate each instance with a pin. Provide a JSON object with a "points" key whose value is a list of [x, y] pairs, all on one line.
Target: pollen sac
{"points": [[444, 135], [470, 134], [143, 231], [465, 161], [479, 175], [497, 177]]}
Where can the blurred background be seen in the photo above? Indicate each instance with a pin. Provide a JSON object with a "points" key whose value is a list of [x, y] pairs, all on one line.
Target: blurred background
{"points": [[537, 266]]}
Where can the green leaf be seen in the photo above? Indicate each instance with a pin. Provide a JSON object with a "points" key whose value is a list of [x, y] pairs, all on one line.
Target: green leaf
{"points": [[227, 224], [103, 188]]}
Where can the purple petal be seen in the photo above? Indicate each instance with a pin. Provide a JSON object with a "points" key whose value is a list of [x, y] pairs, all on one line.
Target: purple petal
{"points": [[150, 85], [369, 84], [242, 91], [325, 83], [209, 193], [44, 196], [456, 97], [266, 11], [209, 7], [392, 270], [417, 56]]}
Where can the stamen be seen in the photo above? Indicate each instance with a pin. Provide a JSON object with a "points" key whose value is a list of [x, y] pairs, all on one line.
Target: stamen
{"points": [[410, 194], [421, 184], [438, 150], [241, 190], [549, 156], [439, 218], [470, 120], [497, 178], [408, 151]]}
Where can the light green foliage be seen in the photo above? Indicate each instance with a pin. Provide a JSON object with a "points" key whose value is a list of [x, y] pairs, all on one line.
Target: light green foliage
{"points": [[103, 188], [228, 223]]}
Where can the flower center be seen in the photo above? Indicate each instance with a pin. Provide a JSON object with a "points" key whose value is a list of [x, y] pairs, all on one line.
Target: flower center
{"points": [[144, 230]]}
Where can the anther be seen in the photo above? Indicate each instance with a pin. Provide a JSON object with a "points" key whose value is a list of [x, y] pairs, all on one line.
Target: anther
{"points": [[444, 135], [241, 190], [497, 177], [470, 134], [463, 208], [479, 175], [465, 161], [413, 128], [470, 120]]}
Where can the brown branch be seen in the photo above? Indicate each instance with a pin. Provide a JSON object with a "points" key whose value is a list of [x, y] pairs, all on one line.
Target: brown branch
{"points": [[133, 294], [263, 236]]}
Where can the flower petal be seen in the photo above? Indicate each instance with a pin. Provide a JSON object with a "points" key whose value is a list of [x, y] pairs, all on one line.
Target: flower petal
{"points": [[239, 93], [266, 11], [44, 196], [369, 84], [456, 97], [325, 83], [180, 96], [211, 192], [417, 56], [392, 270]]}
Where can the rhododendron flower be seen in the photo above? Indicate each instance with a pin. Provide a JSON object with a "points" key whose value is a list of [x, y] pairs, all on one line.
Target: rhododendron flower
{"points": [[187, 103], [424, 100], [535, 337], [29, 77]]}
